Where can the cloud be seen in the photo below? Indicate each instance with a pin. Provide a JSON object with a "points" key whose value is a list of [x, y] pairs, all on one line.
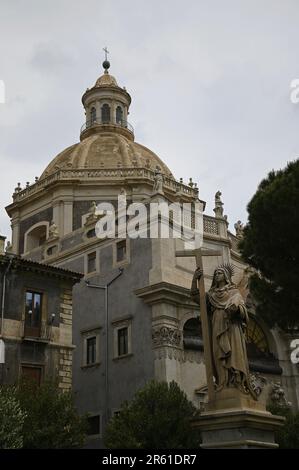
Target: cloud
{"points": [[50, 58], [209, 83]]}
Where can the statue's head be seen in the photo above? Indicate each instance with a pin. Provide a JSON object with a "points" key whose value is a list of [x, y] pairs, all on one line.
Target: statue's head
{"points": [[222, 276]]}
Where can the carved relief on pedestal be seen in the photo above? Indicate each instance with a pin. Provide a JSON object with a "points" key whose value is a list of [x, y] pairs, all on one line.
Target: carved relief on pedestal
{"points": [[273, 391], [278, 395]]}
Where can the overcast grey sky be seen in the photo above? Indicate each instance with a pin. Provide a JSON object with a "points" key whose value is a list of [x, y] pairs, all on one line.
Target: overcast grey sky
{"points": [[209, 80]]}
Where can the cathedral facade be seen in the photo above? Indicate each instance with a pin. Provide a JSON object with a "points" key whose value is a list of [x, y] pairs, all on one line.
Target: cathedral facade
{"points": [[133, 317]]}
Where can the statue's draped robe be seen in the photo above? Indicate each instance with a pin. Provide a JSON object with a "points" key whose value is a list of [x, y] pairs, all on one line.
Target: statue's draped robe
{"points": [[228, 339]]}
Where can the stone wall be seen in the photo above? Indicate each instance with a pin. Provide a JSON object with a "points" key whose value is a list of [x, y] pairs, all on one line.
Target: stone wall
{"points": [[65, 369], [65, 353]]}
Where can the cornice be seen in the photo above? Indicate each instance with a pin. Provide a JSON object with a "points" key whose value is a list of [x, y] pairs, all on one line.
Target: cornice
{"points": [[166, 292]]}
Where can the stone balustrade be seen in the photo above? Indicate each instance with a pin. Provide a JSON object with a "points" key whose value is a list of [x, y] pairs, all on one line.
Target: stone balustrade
{"points": [[86, 174]]}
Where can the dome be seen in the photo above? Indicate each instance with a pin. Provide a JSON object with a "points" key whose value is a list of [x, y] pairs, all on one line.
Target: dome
{"points": [[106, 80], [106, 150]]}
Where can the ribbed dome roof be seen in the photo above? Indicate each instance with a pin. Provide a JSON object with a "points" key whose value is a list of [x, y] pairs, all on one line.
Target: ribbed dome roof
{"points": [[106, 80], [106, 150]]}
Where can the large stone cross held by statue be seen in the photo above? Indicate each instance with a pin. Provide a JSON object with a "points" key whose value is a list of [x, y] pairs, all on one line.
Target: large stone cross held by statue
{"points": [[198, 254]]}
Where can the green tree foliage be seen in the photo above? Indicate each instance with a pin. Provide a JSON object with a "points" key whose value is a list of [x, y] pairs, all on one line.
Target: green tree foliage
{"points": [[52, 421], [158, 417], [11, 419], [271, 246], [287, 437]]}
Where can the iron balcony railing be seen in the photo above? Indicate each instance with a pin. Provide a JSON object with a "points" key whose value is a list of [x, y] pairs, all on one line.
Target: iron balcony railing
{"points": [[41, 333], [107, 122]]}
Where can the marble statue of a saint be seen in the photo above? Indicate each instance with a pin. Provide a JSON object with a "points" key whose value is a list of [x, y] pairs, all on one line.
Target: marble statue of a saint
{"points": [[239, 229], [228, 321], [218, 209], [53, 230], [158, 182], [93, 208], [218, 197], [92, 215]]}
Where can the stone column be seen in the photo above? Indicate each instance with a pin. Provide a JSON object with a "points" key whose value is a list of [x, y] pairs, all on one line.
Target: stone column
{"points": [[98, 111], [113, 112], [67, 217], [15, 226], [167, 342], [57, 215]]}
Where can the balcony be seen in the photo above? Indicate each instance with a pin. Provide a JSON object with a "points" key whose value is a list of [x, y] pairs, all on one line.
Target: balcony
{"points": [[41, 333], [98, 125]]}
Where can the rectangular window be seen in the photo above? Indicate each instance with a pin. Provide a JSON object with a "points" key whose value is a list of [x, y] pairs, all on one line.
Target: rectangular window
{"points": [[33, 313], [91, 350], [94, 425], [121, 250], [33, 374], [91, 262], [122, 336], [91, 347]]}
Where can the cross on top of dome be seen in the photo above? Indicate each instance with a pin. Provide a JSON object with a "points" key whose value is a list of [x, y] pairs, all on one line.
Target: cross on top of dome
{"points": [[106, 63]]}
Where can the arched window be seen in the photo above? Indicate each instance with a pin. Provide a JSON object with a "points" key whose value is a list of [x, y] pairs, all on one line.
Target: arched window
{"points": [[36, 236], [119, 115], [93, 115], [193, 334], [259, 355], [257, 344], [105, 113]]}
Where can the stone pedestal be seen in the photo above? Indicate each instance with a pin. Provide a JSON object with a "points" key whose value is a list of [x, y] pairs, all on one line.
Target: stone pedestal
{"points": [[236, 421], [233, 398], [238, 429]]}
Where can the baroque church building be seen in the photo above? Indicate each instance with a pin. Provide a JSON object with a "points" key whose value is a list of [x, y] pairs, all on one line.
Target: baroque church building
{"points": [[133, 317]]}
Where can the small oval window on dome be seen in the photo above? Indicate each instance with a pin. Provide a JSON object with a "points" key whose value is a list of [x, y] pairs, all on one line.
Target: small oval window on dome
{"points": [[105, 114], [119, 115], [93, 115]]}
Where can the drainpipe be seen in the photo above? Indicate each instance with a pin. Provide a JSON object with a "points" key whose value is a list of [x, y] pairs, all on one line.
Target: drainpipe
{"points": [[3, 295], [105, 288]]}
